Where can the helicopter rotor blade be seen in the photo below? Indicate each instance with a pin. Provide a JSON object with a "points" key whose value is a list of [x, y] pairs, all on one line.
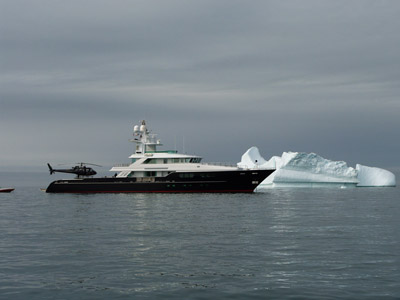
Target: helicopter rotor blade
{"points": [[84, 163]]}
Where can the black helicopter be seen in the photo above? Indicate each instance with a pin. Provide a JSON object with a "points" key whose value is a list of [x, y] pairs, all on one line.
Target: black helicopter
{"points": [[79, 170]]}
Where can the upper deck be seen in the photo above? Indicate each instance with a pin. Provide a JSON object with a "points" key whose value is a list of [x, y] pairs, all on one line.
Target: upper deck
{"points": [[147, 160]]}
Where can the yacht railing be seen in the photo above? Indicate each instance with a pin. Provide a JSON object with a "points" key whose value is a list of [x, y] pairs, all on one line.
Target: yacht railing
{"points": [[121, 165], [164, 151], [224, 164], [245, 167]]}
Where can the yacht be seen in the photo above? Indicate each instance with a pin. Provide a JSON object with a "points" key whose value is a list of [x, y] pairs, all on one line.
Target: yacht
{"points": [[153, 170]]}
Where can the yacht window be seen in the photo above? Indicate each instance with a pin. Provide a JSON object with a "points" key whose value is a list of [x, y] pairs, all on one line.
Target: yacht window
{"points": [[207, 175], [150, 174], [186, 175], [150, 161]]}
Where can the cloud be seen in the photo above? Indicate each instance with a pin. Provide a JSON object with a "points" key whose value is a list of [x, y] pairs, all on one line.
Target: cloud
{"points": [[316, 76]]}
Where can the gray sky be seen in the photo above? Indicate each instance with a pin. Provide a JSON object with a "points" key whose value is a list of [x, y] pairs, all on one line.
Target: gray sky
{"points": [[314, 76]]}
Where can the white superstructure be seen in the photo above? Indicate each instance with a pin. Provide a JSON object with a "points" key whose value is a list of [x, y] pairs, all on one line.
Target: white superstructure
{"points": [[148, 162]]}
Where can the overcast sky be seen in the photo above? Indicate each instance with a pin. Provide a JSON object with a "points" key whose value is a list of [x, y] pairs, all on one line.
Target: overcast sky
{"points": [[211, 77]]}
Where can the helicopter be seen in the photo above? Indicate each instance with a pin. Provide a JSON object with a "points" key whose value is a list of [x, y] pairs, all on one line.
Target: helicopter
{"points": [[80, 170]]}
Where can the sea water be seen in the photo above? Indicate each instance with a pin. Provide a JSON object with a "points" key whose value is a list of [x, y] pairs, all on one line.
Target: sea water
{"points": [[300, 243]]}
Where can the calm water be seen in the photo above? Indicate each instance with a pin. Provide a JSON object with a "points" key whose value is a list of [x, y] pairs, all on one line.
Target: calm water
{"points": [[284, 243]]}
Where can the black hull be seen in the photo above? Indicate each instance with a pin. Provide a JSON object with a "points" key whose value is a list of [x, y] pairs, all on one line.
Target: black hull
{"points": [[236, 181]]}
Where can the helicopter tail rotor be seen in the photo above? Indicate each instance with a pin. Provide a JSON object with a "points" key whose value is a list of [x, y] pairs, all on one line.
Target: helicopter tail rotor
{"points": [[50, 169]]}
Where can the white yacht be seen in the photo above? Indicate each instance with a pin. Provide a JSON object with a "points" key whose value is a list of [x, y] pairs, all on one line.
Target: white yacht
{"points": [[153, 170]]}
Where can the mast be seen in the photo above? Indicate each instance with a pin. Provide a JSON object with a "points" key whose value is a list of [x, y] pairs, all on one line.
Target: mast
{"points": [[146, 142]]}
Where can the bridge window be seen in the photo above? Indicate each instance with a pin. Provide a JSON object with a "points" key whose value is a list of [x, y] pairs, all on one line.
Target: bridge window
{"points": [[195, 160]]}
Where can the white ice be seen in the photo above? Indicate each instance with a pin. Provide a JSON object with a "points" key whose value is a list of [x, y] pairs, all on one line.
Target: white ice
{"points": [[369, 176], [310, 169]]}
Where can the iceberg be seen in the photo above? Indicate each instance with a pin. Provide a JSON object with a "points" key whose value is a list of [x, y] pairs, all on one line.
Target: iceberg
{"points": [[370, 176], [310, 169]]}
